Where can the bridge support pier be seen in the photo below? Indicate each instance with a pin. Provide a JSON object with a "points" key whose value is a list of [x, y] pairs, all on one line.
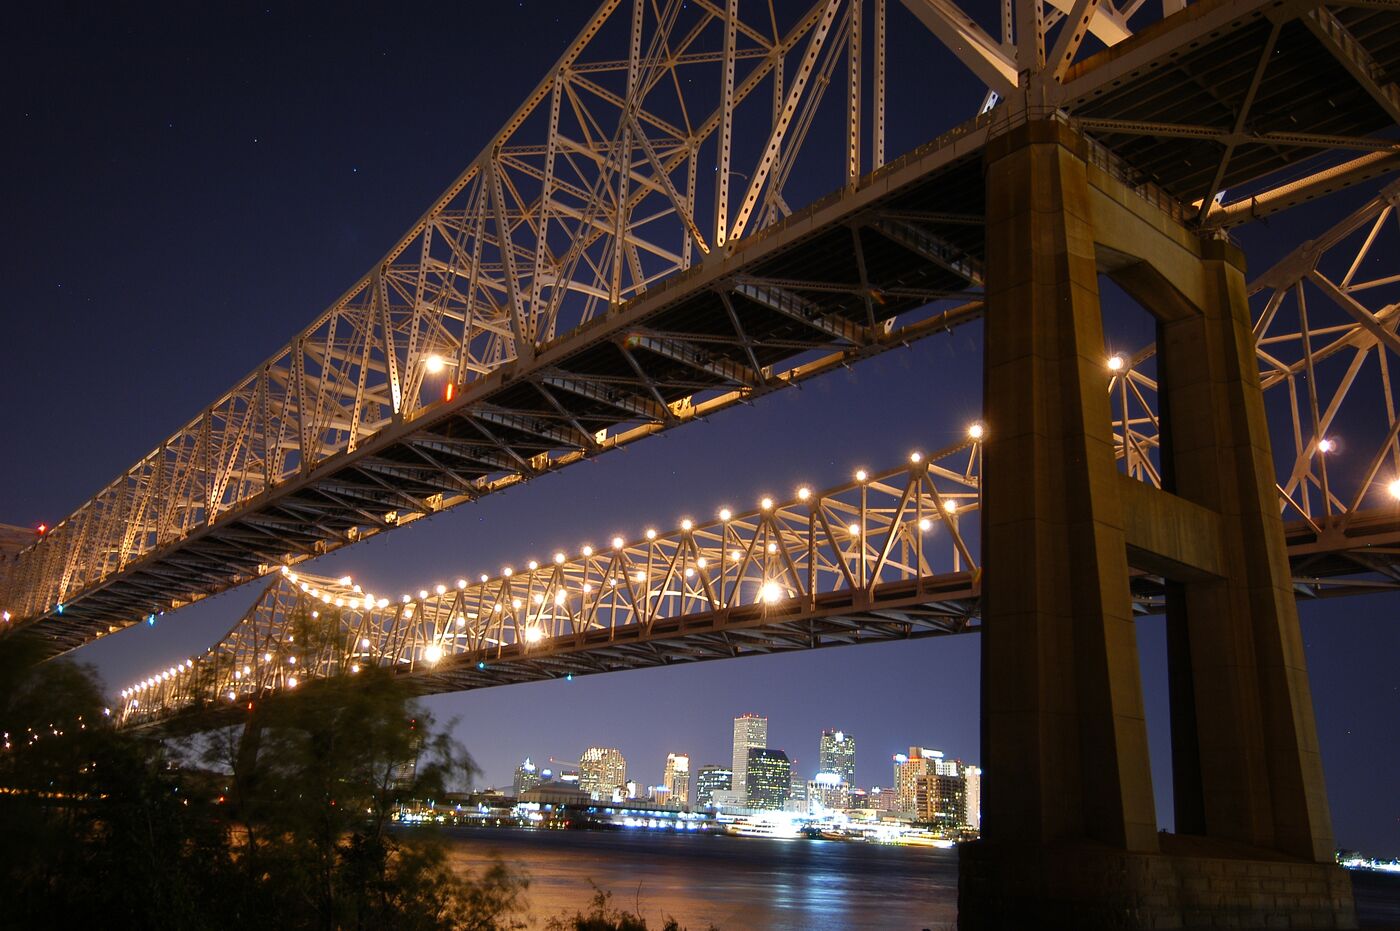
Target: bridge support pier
{"points": [[1070, 834]]}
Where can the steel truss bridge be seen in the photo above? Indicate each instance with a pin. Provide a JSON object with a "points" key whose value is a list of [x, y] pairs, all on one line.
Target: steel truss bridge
{"points": [[579, 288]]}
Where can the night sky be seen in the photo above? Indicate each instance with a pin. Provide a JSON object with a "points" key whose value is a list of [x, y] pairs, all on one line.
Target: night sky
{"points": [[182, 192]]}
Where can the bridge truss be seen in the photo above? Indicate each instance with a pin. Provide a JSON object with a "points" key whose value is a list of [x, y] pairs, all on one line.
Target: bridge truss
{"points": [[629, 252], [881, 557]]}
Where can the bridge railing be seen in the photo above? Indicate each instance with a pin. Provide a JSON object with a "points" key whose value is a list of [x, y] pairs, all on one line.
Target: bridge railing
{"points": [[900, 527]]}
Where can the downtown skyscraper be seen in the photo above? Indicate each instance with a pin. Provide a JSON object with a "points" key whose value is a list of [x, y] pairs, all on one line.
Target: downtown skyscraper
{"points": [[677, 779], [838, 755], [750, 733], [601, 772]]}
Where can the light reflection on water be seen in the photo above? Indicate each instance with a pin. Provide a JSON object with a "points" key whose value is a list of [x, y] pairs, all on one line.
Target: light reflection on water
{"points": [[734, 883]]}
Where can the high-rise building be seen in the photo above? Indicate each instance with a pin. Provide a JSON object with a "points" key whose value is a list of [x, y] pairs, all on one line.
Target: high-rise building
{"points": [[941, 799], [907, 770], [884, 798], [972, 795], [600, 771], [527, 776], [797, 792], [768, 778], [677, 779], [838, 755], [750, 732], [709, 780]]}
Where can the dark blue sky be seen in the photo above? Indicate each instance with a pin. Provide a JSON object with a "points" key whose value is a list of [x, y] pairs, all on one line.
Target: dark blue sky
{"points": [[181, 194]]}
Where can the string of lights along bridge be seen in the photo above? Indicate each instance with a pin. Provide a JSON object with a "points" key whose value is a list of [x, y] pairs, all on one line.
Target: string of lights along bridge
{"points": [[887, 555]]}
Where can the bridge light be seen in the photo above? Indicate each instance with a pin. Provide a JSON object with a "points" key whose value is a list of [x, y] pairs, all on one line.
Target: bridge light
{"points": [[617, 543], [354, 667], [41, 529], [686, 524], [461, 621], [559, 559], [950, 506], [853, 530], [560, 597], [976, 431], [1393, 488], [533, 634], [916, 457], [538, 598], [507, 572], [702, 562], [481, 665], [804, 493], [344, 580], [771, 593], [766, 504], [441, 589], [422, 593], [587, 588], [267, 657], [292, 682], [231, 696], [515, 603], [435, 364], [861, 475], [725, 514], [291, 661], [587, 551], [569, 677], [735, 555], [382, 603], [7, 615], [461, 584], [772, 548], [496, 608], [1326, 445], [291, 576], [60, 607], [485, 577], [433, 653], [925, 524], [651, 534], [1115, 363], [532, 565], [689, 572]]}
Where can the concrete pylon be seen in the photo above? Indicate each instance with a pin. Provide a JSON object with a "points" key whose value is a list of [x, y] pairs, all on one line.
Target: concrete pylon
{"points": [[1070, 836]]}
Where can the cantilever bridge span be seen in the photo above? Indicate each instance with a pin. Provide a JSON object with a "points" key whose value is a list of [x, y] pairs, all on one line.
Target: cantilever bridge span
{"points": [[578, 287]]}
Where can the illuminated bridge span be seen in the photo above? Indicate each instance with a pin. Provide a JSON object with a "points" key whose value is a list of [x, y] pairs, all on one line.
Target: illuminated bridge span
{"points": [[632, 251], [881, 557]]}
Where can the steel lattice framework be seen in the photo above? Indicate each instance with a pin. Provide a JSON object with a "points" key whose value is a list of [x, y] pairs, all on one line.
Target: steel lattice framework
{"points": [[1325, 336], [583, 284], [881, 557]]}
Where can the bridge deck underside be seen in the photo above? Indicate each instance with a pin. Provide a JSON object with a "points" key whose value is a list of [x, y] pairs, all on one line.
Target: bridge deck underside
{"points": [[859, 272]]}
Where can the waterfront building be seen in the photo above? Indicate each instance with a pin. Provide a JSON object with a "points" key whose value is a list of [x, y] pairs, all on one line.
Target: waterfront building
{"points": [[769, 778], [750, 732], [709, 780], [527, 776], [601, 770], [797, 792], [677, 779], [907, 770], [828, 792], [972, 795], [940, 800], [838, 755], [883, 798]]}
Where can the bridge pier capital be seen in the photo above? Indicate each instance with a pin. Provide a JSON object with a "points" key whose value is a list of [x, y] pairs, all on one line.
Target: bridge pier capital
{"points": [[1069, 826]]}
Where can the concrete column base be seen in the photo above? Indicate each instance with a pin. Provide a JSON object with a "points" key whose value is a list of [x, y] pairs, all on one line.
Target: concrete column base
{"points": [[1194, 883]]}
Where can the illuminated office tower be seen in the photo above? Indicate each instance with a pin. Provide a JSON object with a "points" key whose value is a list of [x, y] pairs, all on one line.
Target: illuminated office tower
{"points": [[677, 779], [769, 778], [527, 776], [600, 771], [972, 787], [838, 755], [750, 732], [709, 780], [907, 770]]}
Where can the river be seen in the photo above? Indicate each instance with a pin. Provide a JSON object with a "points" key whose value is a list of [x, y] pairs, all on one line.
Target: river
{"points": [[739, 883], [733, 883]]}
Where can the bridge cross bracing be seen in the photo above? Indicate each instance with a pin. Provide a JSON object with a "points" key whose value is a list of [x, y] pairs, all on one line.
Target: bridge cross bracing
{"points": [[883, 556], [583, 284]]}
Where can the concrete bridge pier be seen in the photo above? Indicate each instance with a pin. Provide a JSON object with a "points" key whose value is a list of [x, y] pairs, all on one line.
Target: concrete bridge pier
{"points": [[1070, 835]]}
